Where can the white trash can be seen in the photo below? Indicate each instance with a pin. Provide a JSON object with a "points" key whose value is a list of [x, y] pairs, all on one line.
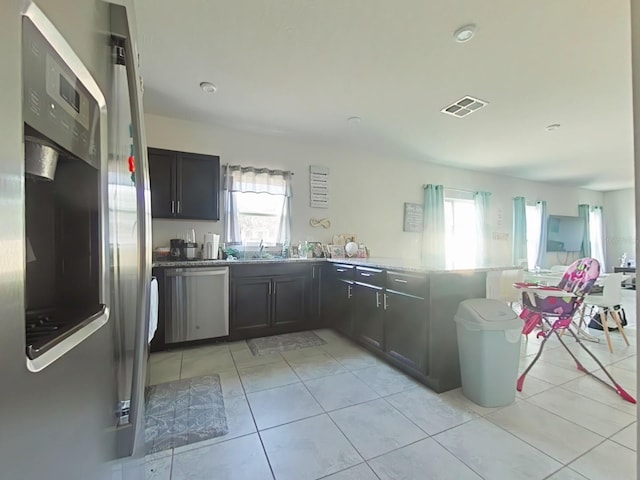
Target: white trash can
{"points": [[489, 334]]}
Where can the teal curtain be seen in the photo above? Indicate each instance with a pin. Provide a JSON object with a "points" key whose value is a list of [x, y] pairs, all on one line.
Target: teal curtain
{"points": [[433, 247], [519, 243], [481, 200], [597, 236], [542, 247], [583, 213]]}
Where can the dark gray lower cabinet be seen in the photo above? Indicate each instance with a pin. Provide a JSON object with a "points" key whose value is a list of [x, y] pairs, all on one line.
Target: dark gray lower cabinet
{"points": [[405, 330], [270, 299], [250, 305], [337, 289], [291, 295], [369, 314]]}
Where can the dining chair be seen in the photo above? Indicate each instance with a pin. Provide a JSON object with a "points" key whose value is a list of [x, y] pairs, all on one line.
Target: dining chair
{"points": [[608, 304], [508, 293]]}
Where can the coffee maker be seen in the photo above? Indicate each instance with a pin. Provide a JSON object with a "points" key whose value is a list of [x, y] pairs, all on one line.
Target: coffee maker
{"points": [[176, 249]]}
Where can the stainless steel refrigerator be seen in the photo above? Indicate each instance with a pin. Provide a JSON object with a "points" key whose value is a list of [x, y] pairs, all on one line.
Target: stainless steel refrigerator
{"points": [[75, 257]]}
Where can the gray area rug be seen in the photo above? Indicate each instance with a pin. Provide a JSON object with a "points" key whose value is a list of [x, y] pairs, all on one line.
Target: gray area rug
{"points": [[183, 412], [282, 343]]}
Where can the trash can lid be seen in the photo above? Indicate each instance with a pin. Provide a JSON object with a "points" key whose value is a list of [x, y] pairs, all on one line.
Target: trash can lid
{"points": [[487, 314]]}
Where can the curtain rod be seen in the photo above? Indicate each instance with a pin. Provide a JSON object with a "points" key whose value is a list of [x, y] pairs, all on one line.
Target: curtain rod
{"points": [[459, 190], [454, 189], [289, 172]]}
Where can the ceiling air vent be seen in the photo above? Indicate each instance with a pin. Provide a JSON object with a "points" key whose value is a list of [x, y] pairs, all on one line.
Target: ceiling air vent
{"points": [[464, 106]]}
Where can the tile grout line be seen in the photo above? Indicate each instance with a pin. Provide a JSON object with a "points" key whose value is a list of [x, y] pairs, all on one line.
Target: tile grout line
{"points": [[561, 462], [334, 423], [580, 395], [385, 397], [255, 423], [380, 397]]}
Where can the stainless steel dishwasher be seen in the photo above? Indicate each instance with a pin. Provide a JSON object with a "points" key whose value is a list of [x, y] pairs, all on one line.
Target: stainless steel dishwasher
{"points": [[199, 303]]}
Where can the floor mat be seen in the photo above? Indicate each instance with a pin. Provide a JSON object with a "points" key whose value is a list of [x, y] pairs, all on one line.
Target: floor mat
{"points": [[183, 412], [282, 343]]}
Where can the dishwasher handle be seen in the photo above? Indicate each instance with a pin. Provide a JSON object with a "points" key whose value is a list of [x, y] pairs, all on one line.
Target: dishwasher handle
{"points": [[196, 272]]}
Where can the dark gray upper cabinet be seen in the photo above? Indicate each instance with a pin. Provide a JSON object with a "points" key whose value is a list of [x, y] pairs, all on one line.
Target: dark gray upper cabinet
{"points": [[184, 185]]}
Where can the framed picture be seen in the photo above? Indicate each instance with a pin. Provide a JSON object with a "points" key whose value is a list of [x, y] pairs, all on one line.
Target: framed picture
{"points": [[336, 251], [363, 251], [316, 249], [413, 217], [294, 252], [345, 238]]}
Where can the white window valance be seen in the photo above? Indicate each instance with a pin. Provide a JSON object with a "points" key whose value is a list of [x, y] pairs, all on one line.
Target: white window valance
{"points": [[257, 180]]}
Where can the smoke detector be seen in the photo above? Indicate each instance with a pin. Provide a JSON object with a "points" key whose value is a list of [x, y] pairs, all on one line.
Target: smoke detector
{"points": [[465, 106]]}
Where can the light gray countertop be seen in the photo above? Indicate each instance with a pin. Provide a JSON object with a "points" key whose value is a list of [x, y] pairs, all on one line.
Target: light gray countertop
{"points": [[415, 265], [374, 262], [224, 263]]}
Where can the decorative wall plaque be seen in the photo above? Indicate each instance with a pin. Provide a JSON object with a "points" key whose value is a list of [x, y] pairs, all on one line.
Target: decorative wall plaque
{"points": [[413, 217]]}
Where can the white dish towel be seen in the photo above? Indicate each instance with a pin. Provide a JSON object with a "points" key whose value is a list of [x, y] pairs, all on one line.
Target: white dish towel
{"points": [[153, 308]]}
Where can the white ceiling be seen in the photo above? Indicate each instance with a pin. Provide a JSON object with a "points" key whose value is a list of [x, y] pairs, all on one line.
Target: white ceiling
{"points": [[300, 68]]}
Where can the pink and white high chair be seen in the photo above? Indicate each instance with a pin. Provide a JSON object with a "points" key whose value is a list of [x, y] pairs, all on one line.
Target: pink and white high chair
{"points": [[553, 308]]}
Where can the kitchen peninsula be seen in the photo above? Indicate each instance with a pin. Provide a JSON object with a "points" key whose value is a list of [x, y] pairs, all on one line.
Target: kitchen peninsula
{"points": [[398, 309]]}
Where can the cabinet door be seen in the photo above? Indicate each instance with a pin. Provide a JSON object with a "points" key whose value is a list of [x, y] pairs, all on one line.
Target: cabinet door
{"points": [[250, 305], [290, 300], [343, 312], [337, 303], [315, 300], [405, 330], [198, 185], [369, 314], [161, 175]]}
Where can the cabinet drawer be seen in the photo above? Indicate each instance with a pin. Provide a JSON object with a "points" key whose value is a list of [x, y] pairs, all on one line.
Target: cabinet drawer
{"points": [[269, 269], [409, 283], [370, 276], [346, 272]]}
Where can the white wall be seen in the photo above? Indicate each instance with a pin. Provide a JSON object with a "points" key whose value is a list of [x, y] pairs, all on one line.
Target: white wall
{"points": [[368, 190], [620, 225]]}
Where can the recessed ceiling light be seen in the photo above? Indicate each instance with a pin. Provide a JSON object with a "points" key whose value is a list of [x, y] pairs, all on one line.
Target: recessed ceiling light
{"points": [[552, 127], [208, 87], [464, 34], [354, 120]]}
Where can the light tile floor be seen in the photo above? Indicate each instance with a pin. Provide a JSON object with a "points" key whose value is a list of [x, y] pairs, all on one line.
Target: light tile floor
{"points": [[336, 412]]}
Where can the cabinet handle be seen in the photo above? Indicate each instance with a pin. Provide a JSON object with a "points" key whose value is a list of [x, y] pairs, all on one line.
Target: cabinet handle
{"points": [[400, 281], [377, 299], [340, 270], [349, 294], [173, 206], [384, 298], [178, 202], [313, 272], [365, 274], [270, 285]]}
